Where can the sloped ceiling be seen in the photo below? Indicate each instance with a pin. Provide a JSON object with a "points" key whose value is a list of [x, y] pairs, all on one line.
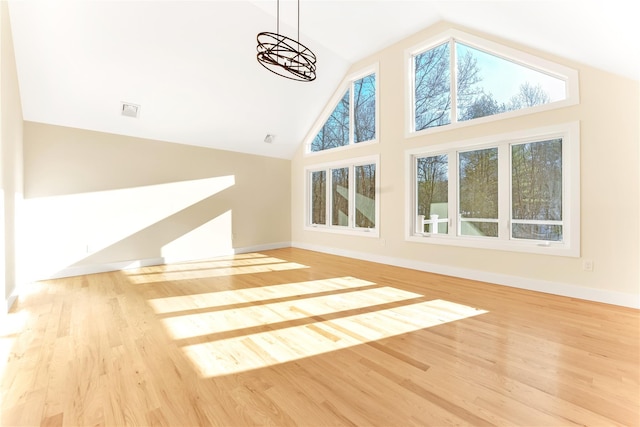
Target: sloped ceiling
{"points": [[191, 65]]}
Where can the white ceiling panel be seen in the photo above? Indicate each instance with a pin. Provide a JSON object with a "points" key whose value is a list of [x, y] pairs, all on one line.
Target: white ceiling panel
{"points": [[191, 65]]}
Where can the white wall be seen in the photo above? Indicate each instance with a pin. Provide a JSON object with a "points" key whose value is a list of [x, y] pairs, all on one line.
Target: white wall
{"points": [[608, 114], [10, 161]]}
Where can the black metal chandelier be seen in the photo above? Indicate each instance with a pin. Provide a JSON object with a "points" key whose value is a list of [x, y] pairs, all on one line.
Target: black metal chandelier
{"points": [[284, 56]]}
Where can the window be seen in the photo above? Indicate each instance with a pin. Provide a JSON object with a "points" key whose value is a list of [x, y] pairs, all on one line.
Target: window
{"points": [[365, 195], [318, 197], [432, 187], [354, 118], [536, 190], [478, 192], [512, 192], [459, 78], [340, 197], [343, 197]]}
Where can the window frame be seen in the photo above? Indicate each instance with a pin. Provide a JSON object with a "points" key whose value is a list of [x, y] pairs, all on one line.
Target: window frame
{"points": [[347, 83], [350, 229], [568, 75], [570, 246]]}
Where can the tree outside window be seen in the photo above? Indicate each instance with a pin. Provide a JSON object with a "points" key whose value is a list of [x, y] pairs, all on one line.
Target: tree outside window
{"points": [[486, 85], [353, 120]]}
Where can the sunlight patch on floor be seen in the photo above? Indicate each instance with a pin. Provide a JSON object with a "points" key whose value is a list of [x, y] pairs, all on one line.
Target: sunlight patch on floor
{"points": [[217, 269], [259, 350], [249, 295], [219, 261], [233, 319]]}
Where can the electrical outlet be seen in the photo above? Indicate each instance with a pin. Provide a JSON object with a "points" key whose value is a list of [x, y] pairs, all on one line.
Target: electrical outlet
{"points": [[587, 265]]}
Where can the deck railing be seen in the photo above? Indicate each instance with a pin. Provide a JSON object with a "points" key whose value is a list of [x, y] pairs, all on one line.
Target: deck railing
{"points": [[433, 222]]}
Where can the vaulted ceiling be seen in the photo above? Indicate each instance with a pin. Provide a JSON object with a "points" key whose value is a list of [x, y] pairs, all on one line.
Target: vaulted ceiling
{"points": [[191, 65]]}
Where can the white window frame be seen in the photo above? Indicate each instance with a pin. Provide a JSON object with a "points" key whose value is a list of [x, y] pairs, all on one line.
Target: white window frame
{"points": [[347, 82], [568, 75], [570, 246], [351, 229]]}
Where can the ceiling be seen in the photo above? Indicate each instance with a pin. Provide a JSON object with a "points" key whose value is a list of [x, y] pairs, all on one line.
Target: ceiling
{"points": [[191, 65]]}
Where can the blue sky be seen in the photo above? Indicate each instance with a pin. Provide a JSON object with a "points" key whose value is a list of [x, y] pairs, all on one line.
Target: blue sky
{"points": [[503, 78]]}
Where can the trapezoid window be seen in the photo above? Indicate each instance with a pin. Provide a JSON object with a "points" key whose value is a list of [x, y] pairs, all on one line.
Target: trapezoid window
{"points": [[459, 78]]}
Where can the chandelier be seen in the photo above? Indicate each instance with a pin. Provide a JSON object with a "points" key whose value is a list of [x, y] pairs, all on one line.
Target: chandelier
{"points": [[284, 56]]}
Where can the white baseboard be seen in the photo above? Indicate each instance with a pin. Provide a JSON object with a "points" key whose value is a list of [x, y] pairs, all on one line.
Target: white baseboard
{"points": [[265, 247], [127, 265], [562, 289], [104, 268], [233, 251]]}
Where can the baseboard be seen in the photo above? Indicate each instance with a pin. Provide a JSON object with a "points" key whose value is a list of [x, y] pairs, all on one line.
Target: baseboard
{"points": [[233, 251], [561, 289], [265, 247], [104, 268], [127, 265]]}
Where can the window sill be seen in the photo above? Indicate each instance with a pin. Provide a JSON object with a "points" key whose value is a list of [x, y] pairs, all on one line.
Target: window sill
{"points": [[362, 232], [309, 153], [538, 247]]}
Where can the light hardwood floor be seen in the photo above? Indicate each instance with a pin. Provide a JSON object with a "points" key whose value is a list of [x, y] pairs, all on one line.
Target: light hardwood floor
{"points": [[292, 337]]}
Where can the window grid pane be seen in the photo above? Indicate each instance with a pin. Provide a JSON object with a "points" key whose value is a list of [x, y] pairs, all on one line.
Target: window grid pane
{"points": [[364, 100], [478, 192], [432, 97], [488, 85], [536, 190], [432, 187], [365, 177], [340, 197], [319, 197]]}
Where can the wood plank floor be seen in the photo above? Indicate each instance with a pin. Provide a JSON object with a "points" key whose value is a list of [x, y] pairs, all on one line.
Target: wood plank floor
{"points": [[291, 337]]}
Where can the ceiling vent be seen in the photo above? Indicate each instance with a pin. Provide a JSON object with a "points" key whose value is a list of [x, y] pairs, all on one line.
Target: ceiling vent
{"points": [[129, 110]]}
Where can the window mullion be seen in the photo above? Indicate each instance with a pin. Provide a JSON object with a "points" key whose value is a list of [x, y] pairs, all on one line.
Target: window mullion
{"points": [[454, 216], [412, 94], [352, 196], [569, 178], [414, 190], [418, 229], [329, 196], [504, 192], [310, 197], [352, 114], [453, 77]]}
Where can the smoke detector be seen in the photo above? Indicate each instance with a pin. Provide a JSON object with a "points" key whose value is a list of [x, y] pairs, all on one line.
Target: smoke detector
{"points": [[128, 109]]}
